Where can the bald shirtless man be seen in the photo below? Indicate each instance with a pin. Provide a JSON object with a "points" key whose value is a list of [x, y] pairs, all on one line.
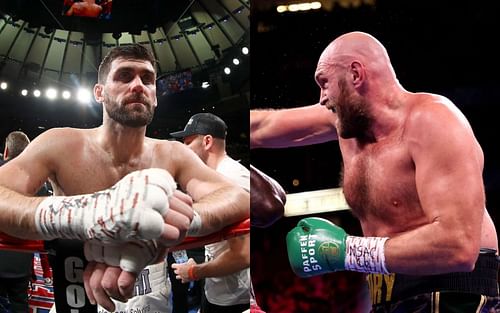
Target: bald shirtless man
{"points": [[412, 175], [86, 8], [114, 184]]}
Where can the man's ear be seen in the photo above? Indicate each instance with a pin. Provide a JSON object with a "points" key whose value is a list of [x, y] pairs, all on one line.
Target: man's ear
{"points": [[99, 93], [208, 141], [5, 153], [357, 73]]}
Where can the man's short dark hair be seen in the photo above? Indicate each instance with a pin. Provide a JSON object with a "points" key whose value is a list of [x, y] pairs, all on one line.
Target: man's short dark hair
{"points": [[16, 142], [132, 52]]}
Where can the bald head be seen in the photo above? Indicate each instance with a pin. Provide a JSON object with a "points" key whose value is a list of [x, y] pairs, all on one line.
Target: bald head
{"points": [[360, 47]]}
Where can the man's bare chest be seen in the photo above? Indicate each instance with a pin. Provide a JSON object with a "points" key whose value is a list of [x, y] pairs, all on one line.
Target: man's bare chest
{"points": [[380, 180], [87, 176]]}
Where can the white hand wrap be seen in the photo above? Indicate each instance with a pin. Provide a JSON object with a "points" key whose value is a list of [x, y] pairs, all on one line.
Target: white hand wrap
{"points": [[195, 226], [365, 254], [132, 209], [132, 256]]}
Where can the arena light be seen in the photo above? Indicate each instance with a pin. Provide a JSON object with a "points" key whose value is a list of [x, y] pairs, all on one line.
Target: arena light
{"points": [[315, 5], [299, 7], [227, 70], [66, 94], [282, 8], [24, 92], [304, 6], [51, 93], [205, 85], [3, 85], [83, 95], [236, 61], [37, 93], [244, 50]]}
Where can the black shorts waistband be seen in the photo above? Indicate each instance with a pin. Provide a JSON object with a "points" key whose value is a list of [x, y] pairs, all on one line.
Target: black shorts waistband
{"points": [[482, 280]]}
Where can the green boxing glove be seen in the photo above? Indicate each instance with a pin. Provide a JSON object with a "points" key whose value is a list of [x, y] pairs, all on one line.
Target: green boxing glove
{"points": [[317, 246]]}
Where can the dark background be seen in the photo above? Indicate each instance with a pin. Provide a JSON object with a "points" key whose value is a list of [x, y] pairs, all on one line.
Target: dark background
{"points": [[435, 46]]}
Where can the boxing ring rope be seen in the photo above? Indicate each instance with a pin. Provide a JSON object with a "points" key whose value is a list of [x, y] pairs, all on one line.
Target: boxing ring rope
{"points": [[230, 231], [241, 228], [313, 202], [302, 203]]}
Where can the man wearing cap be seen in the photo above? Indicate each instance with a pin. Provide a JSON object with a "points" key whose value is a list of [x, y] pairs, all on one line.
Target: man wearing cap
{"points": [[226, 270], [204, 124]]}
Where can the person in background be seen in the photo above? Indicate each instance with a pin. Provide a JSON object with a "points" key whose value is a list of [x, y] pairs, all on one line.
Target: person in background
{"points": [[15, 267], [226, 269]]}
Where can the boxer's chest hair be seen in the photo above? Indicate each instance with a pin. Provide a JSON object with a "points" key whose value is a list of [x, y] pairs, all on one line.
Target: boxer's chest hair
{"points": [[379, 180]]}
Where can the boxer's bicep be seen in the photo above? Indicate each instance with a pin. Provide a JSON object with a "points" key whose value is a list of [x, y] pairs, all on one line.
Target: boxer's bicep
{"points": [[447, 165], [448, 173]]}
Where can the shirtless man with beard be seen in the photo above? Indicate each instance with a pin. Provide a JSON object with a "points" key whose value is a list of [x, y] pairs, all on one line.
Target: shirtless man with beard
{"points": [[412, 175], [115, 188]]}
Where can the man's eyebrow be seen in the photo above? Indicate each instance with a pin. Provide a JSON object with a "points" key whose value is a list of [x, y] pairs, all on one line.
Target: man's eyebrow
{"points": [[131, 68]]}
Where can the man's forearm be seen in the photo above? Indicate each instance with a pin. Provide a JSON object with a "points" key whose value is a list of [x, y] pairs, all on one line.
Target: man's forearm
{"points": [[435, 248], [294, 127], [224, 207], [88, 216], [228, 262], [431, 249]]}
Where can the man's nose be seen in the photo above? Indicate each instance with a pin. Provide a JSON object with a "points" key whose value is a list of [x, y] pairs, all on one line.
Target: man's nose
{"points": [[137, 84], [322, 97]]}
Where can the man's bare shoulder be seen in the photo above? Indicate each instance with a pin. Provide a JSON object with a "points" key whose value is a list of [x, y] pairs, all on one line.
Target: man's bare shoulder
{"points": [[164, 145], [433, 108], [431, 114], [60, 141], [171, 155], [66, 134], [170, 150], [54, 146]]}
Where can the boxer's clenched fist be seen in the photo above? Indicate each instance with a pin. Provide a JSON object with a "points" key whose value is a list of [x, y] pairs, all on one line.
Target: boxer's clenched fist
{"points": [[135, 208], [114, 267], [132, 256]]}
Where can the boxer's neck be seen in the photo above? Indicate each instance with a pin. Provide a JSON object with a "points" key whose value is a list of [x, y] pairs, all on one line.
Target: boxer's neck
{"points": [[122, 143]]}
